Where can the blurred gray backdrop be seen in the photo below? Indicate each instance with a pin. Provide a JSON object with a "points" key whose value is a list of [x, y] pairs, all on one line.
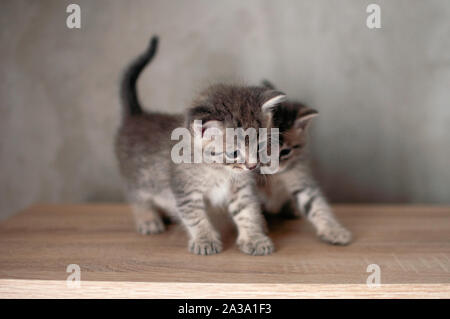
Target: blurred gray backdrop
{"points": [[383, 95]]}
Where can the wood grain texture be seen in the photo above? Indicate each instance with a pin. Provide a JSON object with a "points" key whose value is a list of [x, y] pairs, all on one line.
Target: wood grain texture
{"points": [[411, 244], [12, 288]]}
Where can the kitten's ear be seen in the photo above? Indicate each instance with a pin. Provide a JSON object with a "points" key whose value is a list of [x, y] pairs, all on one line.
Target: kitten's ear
{"points": [[271, 99], [267, 84], [304, 118]]}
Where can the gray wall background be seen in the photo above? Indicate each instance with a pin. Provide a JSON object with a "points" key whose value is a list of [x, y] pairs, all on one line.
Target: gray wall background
{"points": [[383, 95]]}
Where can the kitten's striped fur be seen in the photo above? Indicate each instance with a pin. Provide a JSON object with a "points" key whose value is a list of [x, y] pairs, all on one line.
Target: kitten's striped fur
{"points": [[155, 185], [293, 186]]}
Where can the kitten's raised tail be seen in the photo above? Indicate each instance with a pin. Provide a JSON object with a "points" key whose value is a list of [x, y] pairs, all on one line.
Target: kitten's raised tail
{"points": [[128, 93]]}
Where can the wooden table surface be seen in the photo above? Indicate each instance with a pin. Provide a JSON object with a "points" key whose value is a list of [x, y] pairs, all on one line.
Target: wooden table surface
{"points": [[410, 244]]}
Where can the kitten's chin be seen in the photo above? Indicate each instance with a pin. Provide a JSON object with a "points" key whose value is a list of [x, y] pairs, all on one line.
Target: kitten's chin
{"points": [[237, 172], [269, 172]]}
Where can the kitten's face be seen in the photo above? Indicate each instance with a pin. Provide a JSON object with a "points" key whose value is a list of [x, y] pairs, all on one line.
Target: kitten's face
{"points": [[293, 120], [292, 143], [230, 155], [222, 107]]}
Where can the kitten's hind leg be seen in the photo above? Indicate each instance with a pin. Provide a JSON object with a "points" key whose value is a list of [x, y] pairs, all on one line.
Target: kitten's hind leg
{"points": [[147, 219]]}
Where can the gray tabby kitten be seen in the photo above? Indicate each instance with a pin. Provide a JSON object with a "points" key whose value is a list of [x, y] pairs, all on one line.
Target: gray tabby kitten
{"points": [[293, 188], [155, 185]]}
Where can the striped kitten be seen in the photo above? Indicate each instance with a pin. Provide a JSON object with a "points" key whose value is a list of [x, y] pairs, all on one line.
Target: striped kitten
{"points": [[155, 185], [293, 188]]}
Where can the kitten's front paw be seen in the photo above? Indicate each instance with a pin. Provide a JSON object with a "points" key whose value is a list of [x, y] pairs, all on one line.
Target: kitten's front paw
{"points": [[335, 234], [257, 245], [150, 227], [205, 246]]}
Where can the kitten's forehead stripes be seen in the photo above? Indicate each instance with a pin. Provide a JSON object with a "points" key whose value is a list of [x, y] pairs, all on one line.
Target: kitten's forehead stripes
{"points": [[236, 107]]}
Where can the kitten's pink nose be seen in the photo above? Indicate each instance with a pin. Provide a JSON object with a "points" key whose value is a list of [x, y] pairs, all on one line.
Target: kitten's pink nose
{"points": [[251, 166]]}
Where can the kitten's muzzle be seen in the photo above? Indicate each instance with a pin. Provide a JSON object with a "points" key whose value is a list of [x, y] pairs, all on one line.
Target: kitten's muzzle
{"points": [[251, 166]]}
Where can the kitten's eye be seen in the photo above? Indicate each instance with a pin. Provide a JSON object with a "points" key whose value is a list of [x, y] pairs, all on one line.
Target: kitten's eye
{"points": [[234, 155], [285, 152], [297, 146]]}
